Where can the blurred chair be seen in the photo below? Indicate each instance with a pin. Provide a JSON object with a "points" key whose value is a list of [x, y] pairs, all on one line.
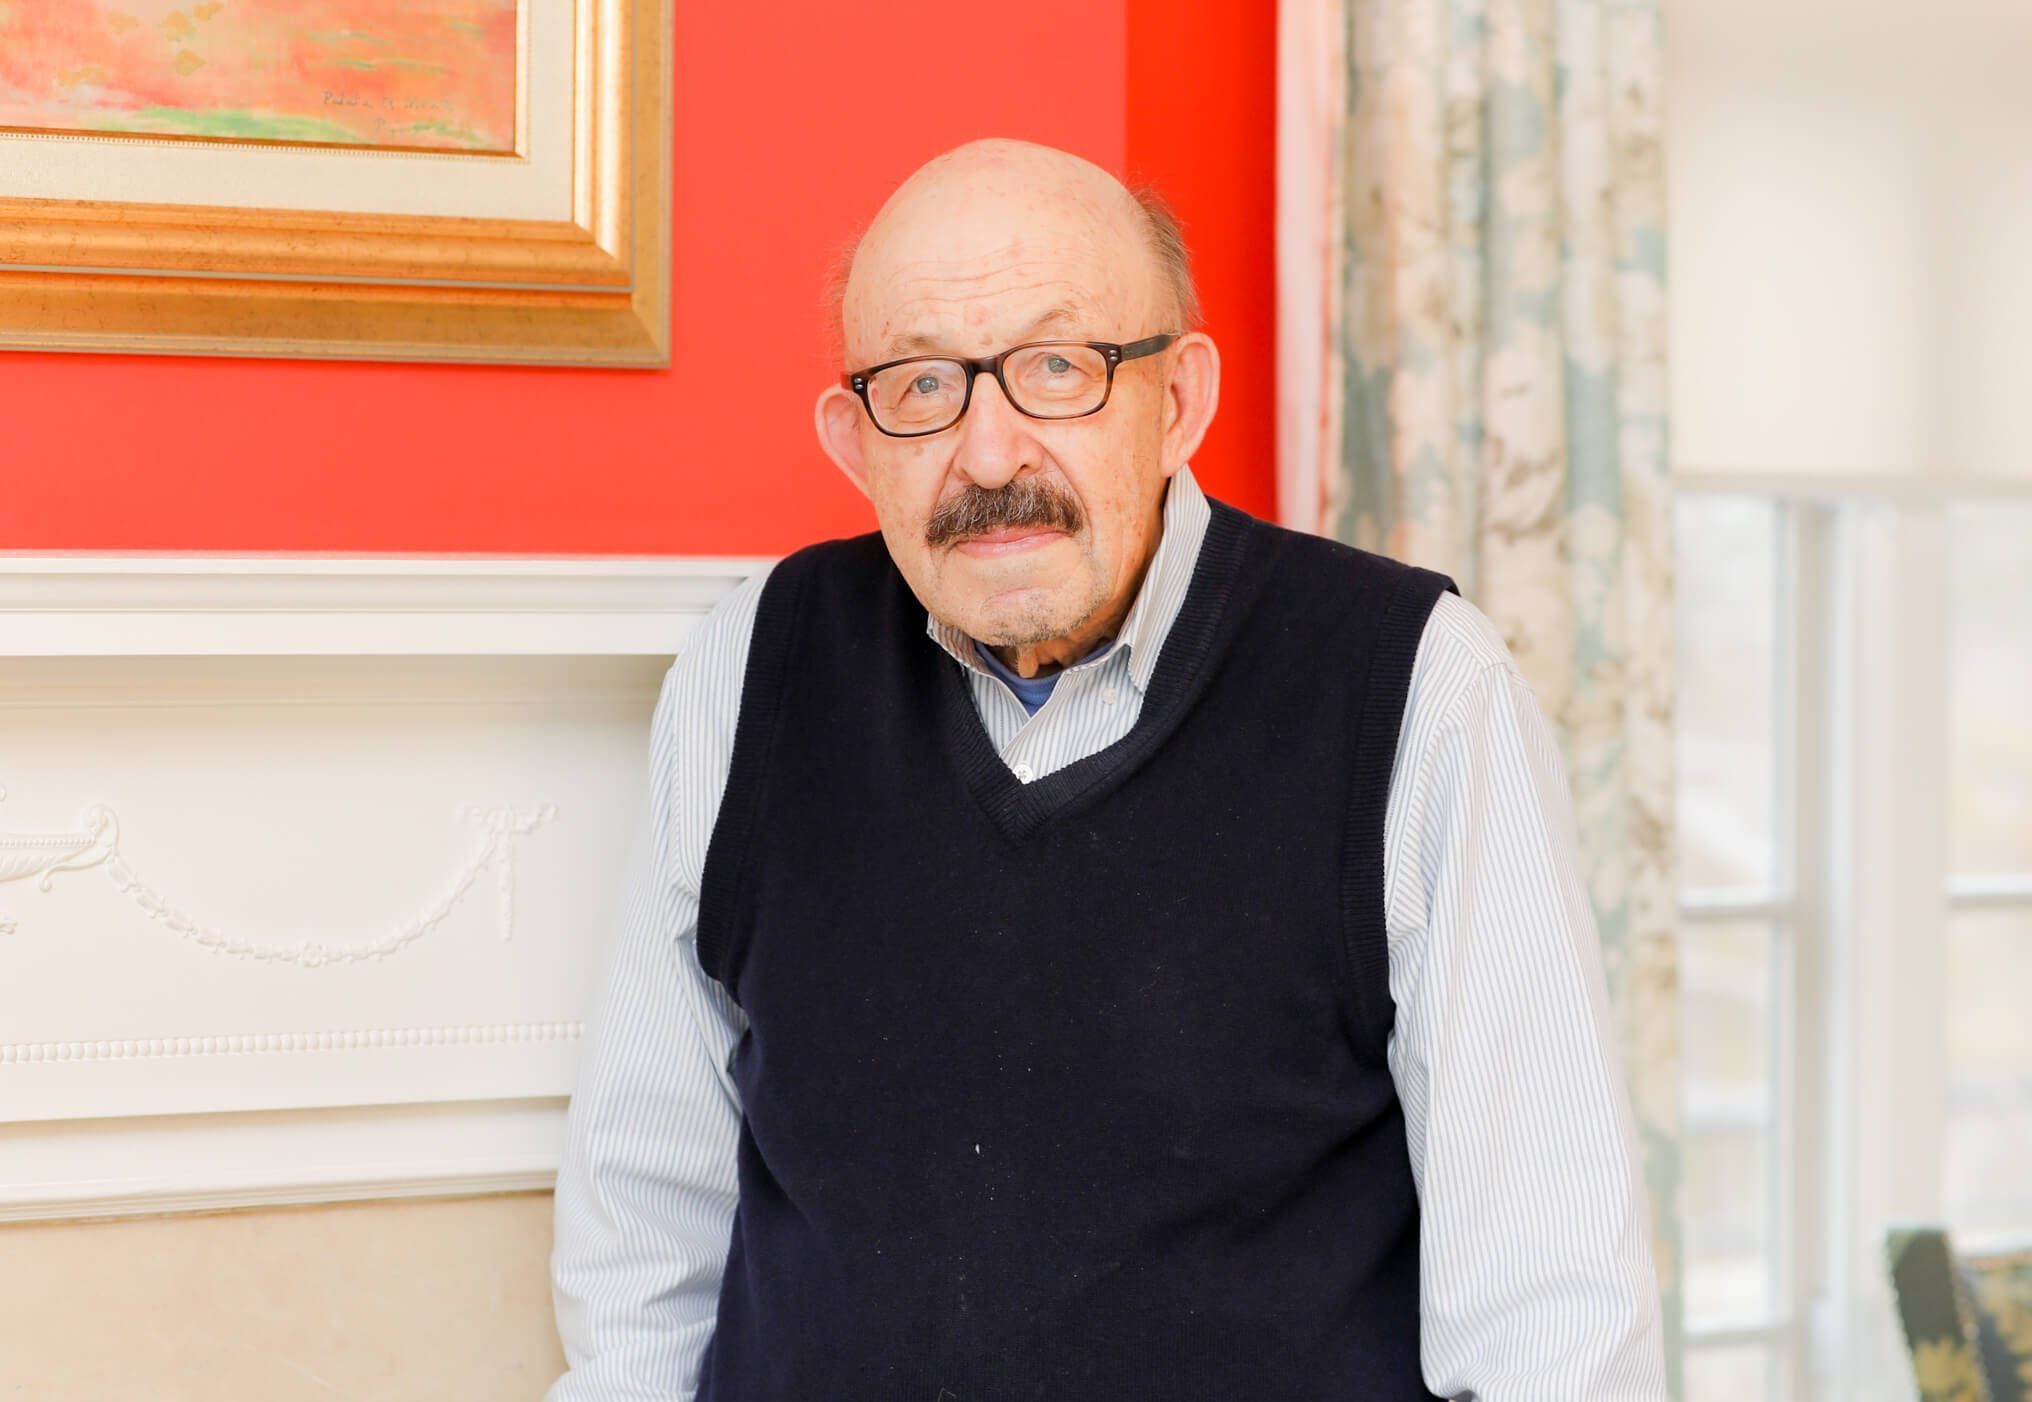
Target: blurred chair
{"points": [[1967, 1316]]}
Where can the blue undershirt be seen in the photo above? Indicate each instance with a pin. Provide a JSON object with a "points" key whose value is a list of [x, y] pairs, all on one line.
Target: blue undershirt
{"points": [[1031, 691]]}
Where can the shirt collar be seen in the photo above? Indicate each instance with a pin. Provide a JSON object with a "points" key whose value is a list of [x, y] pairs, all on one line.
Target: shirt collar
{"points": [[1157, 601]]}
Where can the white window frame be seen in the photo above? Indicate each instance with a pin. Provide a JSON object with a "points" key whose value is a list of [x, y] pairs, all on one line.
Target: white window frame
{"points": [[1858, 910]]}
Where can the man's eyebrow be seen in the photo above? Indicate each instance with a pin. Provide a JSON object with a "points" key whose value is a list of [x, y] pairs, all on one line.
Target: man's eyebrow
{"points": [[1060, 318]]}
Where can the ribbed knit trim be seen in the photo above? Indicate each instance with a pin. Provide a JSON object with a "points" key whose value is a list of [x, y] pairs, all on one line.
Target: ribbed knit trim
{"points": [[1019, 809], [1365, 919], [725, 882]]}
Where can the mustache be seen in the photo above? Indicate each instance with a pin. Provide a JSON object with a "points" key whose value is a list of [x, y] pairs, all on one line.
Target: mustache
{"points": [[1026, 501]]}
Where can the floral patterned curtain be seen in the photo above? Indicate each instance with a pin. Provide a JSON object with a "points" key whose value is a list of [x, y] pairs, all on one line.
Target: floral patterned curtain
{"points": [[1472, 361]]}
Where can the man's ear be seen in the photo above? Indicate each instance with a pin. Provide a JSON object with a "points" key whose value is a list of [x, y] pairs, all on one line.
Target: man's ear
{"points": [[1190, 397], [838, 418]]}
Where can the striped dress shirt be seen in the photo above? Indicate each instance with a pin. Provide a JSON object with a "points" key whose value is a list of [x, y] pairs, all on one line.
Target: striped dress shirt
{"points": [[1536, 1279]]}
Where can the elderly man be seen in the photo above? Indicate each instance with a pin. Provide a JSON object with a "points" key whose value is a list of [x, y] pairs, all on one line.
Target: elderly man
{"points": [[1092, 943]]}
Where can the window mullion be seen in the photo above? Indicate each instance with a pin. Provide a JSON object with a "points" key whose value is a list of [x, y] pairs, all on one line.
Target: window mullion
{"points": [[1805, 788], [1886, 1073]]}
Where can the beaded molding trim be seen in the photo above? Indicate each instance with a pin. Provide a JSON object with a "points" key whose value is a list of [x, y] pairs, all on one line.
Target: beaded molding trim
{"points": [[97, 843], [269, 1043]]}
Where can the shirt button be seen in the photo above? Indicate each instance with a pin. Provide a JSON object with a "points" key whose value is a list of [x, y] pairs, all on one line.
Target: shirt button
{"points": [[1110, 696], [1023, 772]]}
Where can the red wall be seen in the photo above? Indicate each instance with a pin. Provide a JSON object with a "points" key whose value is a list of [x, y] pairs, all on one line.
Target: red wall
{"points": [[1202, 125], [793, 121]]}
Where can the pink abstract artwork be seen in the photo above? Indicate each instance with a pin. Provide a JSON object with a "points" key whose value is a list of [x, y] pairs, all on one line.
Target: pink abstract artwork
{"points": [[407, 74]]}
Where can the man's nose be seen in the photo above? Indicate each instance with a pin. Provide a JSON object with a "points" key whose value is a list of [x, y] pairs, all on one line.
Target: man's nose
{"points": [[995, 442]]}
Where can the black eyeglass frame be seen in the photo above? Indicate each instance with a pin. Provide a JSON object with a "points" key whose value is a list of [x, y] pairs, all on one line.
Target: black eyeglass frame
{"points": [[1113, 352]]}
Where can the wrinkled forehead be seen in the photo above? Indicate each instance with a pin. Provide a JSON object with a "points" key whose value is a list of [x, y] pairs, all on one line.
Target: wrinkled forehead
{"points": [[990, 264]]}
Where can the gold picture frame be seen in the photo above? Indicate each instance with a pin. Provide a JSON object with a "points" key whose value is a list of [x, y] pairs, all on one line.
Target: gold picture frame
{"points": [[214, 279]]}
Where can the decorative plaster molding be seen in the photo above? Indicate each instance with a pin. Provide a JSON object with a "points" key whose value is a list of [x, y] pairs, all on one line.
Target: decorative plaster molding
{"points": [[97, 842], [269, 1043]]}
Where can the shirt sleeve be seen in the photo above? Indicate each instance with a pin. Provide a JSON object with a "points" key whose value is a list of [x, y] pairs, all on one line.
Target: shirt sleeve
{"points": [[1536, 1281], [647, 1184]]}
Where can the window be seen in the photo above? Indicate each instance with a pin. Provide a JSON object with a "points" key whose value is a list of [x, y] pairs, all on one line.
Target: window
{"points": [[1855, 819]]}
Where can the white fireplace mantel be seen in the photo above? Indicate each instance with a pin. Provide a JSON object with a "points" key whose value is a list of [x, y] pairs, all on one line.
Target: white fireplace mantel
{"points": [[307, 863]]}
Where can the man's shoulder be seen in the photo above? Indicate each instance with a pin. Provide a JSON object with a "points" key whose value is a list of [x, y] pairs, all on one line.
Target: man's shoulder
{"points": [[1463, 638], [721, 640], [837, 552], [727, 623], [1326, 585], [1457, 639], [1322, 558]]}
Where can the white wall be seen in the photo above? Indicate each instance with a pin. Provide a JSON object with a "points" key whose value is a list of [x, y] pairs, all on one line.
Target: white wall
{"points": [[1851, 235]]}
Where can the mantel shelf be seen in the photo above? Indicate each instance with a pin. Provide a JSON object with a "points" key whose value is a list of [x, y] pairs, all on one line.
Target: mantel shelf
{"points": [[57, 604]]}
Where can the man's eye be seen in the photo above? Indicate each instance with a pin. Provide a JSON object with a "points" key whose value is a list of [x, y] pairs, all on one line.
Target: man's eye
{"points": [[1056, 364], [927, 384]]}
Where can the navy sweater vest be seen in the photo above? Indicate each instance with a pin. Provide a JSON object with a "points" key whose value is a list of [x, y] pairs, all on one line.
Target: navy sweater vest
{"points": [[1070, 1090]]}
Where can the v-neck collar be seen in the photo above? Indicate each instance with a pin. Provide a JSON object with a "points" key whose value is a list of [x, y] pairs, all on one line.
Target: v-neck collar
{"points": [[1020, 809]]}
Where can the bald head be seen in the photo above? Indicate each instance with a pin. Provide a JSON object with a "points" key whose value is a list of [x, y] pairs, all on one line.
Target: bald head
{"points": [[984, 198]]}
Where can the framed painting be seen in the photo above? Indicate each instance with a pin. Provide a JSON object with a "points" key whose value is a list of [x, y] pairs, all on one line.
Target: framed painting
{"points": [[474, 180]]}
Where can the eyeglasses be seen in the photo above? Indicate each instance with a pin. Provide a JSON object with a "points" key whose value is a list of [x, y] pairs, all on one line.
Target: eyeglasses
{"points": [[922, 394]]}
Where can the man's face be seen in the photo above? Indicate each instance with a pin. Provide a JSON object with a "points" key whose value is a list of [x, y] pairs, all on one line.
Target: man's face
{"points": [[1017, 530]]}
